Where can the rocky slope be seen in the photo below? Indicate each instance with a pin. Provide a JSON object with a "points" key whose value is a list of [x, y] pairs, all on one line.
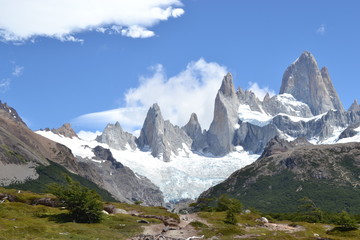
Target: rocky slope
{"points": [[289, 171], [22, 152]]}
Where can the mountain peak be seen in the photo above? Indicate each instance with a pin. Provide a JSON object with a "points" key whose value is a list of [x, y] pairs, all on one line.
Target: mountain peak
{"points": [[65, 130], [227, 86], [10, 113], [308, 84], [355, 107]]}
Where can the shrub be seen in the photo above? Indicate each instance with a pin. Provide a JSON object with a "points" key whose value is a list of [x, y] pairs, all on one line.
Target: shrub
{"points": [[83, 204], [225, 203]]}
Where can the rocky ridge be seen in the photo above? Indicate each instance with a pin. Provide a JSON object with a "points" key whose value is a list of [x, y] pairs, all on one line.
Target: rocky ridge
{"points": [[307, 106]]}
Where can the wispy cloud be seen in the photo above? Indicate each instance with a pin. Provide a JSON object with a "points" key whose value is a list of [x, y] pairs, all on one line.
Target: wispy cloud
{"points": [[18, 71], [25, 20], [259, 91], [321, 30], [192, 90], [5, 84]]}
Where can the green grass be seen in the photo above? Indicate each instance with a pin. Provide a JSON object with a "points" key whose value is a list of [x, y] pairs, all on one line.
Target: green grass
{"points": [[54, 173], [22, 221]]}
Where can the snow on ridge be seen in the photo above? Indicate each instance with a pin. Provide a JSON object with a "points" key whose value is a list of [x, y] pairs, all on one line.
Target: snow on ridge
{"points": [[186, 176], [254, 117]]}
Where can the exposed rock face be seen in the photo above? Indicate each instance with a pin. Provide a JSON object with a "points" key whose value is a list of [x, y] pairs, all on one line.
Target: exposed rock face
{"points": [[163, 138], [355, 107], [287, 171], [21, 150], [349, 131], [193, 130], [287, 104], [308, 84], [121, 181], [66, 131], [117, 138], [221, 131], [249, 98]]}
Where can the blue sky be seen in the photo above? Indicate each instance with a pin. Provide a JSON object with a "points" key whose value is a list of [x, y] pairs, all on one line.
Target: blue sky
{"points": [[89, 68]]}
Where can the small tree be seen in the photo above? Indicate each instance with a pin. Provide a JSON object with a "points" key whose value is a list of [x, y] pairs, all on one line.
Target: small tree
{"points": [[230, 217], [226, 203], [346, 222], [83, 204], [309, 212]]}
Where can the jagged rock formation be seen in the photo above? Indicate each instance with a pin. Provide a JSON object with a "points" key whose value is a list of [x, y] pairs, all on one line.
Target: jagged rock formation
{"points": [[308, 84], [117, 138], [66, 131], [286, 104], [288, 171], [355, 107], [193, 130], [221, 132], [163, 138]]}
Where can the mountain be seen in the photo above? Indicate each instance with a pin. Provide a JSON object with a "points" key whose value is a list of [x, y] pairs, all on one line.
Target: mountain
{"points": [[117, 138], [164, 139], [99, 166], [289, 171], [28, 159], [303, 80], [181, 162]]}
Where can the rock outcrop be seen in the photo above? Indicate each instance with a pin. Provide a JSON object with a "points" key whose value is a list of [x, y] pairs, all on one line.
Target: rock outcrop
{"points": [[221, 132], [161, 137], [193, 130], [355, 107], [308, 84], [66, 131], [117, 138]]}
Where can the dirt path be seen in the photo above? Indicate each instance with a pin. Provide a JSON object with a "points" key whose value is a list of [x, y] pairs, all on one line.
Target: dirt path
{"points": [[182, 231]]}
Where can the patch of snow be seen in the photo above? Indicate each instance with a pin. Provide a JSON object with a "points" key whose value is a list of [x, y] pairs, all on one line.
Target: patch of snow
{"points": [[183, 177], [254, 117], [355, 138], [299, 119], [334, 138]]}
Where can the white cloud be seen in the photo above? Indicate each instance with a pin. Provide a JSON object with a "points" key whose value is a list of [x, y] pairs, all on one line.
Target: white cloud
{"points": [[89, 136], [192, 90], [18, 71], [4, 84], [260, 92], [321, 30], [137, 32], [25, 20]]}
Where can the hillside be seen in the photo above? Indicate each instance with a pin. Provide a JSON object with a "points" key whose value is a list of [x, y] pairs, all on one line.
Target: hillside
{"points": [[289, 171]]}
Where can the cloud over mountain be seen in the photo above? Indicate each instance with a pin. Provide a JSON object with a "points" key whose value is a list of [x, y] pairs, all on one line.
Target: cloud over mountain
{"points": [[192, 90]]}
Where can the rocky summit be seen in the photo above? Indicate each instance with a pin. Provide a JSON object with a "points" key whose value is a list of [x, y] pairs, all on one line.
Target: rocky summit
{"points": [[303, 80]]}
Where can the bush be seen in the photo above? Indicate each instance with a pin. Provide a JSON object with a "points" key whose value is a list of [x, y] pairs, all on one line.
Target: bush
{"points": [[83, 204], [225, 203], [346, 222], [230, 217]]}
